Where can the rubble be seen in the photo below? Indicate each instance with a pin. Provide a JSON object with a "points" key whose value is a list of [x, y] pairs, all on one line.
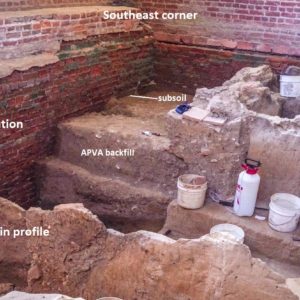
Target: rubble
{"points": [[81, 258], [263, 74], [251, 105], [250, 87], [290, 108]]}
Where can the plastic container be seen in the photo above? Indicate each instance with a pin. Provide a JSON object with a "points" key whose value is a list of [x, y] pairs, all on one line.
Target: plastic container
{"points": [[247, 189], [191, 191], [232, 229], [284, 212], [290, 82]]}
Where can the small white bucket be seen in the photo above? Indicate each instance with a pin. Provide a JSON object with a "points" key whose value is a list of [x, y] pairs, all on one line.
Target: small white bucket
{"points": [[284, 212], [191, 191], [236, 231], [289, 86]]}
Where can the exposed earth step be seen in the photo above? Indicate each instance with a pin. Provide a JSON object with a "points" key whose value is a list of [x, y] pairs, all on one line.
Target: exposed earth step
{"points": [[122, 204], [258, 235], [152, 160]]}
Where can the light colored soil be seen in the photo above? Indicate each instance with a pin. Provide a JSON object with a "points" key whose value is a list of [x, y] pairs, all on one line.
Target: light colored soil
{"points": [[138, 114], [97, 123], [144, 108]]}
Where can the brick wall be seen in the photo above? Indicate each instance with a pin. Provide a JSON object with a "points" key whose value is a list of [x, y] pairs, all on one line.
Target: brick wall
{"points": [[271, 26], [13, 5], [226, 36], [186, 68], [41, 30], [88, 73], [54, 25]]}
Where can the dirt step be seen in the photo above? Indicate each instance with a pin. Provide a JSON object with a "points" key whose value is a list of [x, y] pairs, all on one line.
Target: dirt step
{"points": [[125, 206], [258, 235], [152, 160]]}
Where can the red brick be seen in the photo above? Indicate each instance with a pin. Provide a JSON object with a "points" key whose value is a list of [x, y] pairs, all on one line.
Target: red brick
{"points": [[12, 43], [228, 43], [36, 26], [264, 48], [75, 16], [13, 35], [245, 46]]}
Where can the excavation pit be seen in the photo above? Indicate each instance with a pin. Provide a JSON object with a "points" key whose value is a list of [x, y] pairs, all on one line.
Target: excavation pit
{"points": [[91, 147], [137, 192], [217, 149]]}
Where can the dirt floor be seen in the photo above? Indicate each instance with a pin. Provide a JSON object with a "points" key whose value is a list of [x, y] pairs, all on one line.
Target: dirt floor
{"points": [[144, 108]]}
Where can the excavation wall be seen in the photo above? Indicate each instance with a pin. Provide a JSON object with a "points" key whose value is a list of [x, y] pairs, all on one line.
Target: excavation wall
{"points": [[74, 63], [81, 257], [280, 167], [253, 129]]}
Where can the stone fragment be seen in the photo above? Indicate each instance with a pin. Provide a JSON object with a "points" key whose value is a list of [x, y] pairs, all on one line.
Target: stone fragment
{"points": [[203, 95], [34, 273], [290, 107], [242, 96], [244, 101], [215, 120], [263, 74], [195, 114]]}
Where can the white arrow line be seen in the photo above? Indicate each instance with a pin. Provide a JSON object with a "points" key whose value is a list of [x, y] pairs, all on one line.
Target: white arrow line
{"points": [[145, 97]]}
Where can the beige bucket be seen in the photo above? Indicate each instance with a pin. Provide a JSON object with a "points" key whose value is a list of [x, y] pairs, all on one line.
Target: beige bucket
{"points": [[191, 191]]}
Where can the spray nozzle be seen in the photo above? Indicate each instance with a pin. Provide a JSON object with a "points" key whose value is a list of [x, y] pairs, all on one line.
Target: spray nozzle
{"points": [[251, 166]]}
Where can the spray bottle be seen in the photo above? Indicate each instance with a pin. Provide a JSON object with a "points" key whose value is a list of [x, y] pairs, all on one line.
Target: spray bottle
{"points": [[247, 188]]}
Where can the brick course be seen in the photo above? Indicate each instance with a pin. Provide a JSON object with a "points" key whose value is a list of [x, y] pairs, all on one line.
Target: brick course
{"points": [[187, 68]]}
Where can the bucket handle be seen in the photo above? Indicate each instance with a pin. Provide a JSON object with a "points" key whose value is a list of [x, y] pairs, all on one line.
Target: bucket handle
{"points": [[270, 221]]}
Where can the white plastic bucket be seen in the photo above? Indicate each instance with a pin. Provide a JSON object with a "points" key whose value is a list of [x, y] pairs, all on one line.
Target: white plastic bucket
{"points": [[284, 212], [236, 231], [289, 86], [191, 191]]}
